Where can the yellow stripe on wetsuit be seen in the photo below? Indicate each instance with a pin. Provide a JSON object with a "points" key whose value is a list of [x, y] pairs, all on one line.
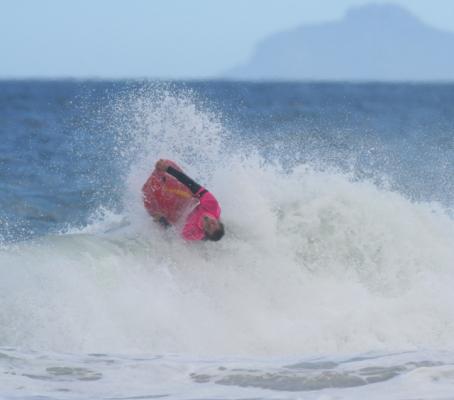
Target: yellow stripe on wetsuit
{"points": [[179, 192]]}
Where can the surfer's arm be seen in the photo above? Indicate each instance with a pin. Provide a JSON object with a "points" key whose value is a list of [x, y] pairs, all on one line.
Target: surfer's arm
{"points": [[207, 200], [194, 187]]}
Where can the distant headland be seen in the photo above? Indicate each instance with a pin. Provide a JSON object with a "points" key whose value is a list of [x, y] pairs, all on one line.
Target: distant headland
{"points": [[371, 43]]}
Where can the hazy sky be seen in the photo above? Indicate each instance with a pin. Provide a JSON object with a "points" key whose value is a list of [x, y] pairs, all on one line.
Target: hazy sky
{"points": [[159, 38]]}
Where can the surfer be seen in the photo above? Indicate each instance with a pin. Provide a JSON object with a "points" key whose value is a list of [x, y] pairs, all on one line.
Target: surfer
{"points": [[169, 193]]}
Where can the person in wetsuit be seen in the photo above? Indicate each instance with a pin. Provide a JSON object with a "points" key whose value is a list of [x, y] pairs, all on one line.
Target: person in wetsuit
{"points": [[203, 222]]}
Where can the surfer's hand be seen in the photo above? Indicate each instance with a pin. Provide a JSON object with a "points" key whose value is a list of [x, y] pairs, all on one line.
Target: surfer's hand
{"points": [[161, 165]]}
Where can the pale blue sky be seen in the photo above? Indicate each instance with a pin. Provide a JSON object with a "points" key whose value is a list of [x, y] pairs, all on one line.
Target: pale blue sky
{"points": [[159, 38]]}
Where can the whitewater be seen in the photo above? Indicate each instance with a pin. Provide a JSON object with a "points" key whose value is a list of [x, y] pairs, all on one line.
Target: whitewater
{"points": [[327, 285]]}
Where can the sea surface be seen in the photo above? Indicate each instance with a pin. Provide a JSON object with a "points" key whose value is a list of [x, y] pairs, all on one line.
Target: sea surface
{"points": [[334, 279]]}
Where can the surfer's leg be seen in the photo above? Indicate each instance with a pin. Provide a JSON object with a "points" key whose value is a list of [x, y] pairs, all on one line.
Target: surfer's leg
{"points": [[163, 222]]}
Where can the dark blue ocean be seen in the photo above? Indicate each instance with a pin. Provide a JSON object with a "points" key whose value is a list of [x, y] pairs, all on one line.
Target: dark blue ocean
{"points": [[58, 164], [334, 279]]}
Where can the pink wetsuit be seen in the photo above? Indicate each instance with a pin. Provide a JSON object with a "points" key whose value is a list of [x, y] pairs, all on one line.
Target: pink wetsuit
{"points": [[193, 227], [164, 198]]}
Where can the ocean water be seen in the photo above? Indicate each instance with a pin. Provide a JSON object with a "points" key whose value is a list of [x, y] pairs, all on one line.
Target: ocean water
{"points": [[334, 279]]}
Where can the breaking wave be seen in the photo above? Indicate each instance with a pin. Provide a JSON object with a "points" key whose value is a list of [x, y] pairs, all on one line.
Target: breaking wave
{"points": [[313, 259]]}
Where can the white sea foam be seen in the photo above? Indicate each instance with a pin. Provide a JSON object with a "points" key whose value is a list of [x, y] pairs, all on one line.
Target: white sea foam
{"points": [[312, 261]]}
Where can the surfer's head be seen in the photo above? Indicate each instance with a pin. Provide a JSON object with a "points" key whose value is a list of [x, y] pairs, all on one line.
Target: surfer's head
{"points": [[213, 228]]}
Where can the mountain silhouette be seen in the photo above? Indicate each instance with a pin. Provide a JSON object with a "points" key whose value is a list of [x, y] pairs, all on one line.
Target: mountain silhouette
{"points": [[372, 42]]}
